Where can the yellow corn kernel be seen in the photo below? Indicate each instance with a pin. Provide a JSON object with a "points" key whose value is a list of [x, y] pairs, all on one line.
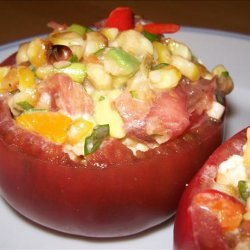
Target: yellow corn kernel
{"points": [[100, 79], [179, 49], [165, 78], [3, 72], [26, 78], [246, 156], [51, 125], [79, 130], [161, 52], [22, 56], [186, 67], [134, 43], [110, 33], [10, 79], [37, 52]]}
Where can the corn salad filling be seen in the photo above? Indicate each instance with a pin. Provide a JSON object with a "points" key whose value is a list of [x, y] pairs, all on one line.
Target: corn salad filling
{"points": [[233, 178], [80, 86]]}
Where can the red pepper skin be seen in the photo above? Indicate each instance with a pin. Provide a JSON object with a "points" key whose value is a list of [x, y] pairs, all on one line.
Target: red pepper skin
{"points": [[191, 230], [160, 28], [121, 18]]}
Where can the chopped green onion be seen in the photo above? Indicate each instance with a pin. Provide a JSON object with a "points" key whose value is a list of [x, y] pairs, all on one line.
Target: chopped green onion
{"points": [[25, 105], [74, 58], [159, 66], [93, 142], [133, 93], [225, 73], [79, 29], [101, 98], [151, 37], [99, 52], [243, 190]]}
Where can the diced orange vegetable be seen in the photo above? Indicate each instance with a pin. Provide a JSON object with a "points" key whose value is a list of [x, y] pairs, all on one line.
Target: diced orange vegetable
{"points": [[228, 210], [51, 125]]}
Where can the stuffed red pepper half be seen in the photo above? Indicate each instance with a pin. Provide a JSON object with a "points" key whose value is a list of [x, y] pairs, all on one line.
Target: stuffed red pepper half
{"points": [[101, 128], [214, 212]]}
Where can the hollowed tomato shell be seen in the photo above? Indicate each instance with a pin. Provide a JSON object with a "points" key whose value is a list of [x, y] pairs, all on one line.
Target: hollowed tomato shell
{"points": [[111, 193], [207, 233]]}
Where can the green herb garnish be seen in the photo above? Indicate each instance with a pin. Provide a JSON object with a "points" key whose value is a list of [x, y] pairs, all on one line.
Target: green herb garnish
{"points": [[243, 190], [74, 58], [225, 73], [159, 66], [101, 98], [151, 37], [93, 142], [25, 105], [134, 93]]}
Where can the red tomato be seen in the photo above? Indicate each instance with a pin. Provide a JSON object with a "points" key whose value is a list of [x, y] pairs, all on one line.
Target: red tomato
{"points": [[111, 192], [203, 214]]}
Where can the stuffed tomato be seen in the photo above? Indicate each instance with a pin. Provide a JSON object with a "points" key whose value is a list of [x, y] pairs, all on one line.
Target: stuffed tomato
{"points": [[100, 129], [214, 210]]}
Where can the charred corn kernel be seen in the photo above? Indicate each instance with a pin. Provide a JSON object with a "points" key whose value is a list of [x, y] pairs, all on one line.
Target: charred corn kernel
{"points": [[26, 78], [110, 33], [134, 43], [37, 52], [3, 72], [165, 78], [94, 42], [100, 79], [224, 81], [216, 111], [187, 68], [79, 130], [246, 156], [179, 49], [51, 125], [10, 80], [22, 55], [161, 53]]}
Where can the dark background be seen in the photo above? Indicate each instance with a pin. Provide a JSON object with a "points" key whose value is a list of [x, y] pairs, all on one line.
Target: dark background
{"points": [[20, 19]]}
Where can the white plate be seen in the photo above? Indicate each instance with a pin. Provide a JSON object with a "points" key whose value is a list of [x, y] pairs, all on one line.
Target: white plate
{"points": [[212, 47]]}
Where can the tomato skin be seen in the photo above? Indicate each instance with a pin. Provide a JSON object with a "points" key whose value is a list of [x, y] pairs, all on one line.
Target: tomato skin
{"points": [[186, 231], [112, 194]]}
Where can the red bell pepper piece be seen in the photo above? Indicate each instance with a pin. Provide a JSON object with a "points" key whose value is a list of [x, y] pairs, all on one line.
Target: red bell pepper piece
{"points": [[121, 18], [160, 28]]}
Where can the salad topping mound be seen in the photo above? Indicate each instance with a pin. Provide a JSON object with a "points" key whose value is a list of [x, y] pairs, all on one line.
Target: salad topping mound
{"points": [[122, 79]]}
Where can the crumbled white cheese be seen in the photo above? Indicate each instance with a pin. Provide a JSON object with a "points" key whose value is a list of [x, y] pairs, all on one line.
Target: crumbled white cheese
{"points": [[231, 171], [216, 111]]}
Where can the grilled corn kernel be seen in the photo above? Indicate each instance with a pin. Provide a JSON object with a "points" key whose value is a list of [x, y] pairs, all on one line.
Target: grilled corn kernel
{"points": [[110, 33], [247, 150], [79, 130], [37, 52], [134, 43], [161, 53], [99, 77], [10, 79], [179, 49], [187, 68], [26, 78], [22, 53], [165, 78], [94, 42]]}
